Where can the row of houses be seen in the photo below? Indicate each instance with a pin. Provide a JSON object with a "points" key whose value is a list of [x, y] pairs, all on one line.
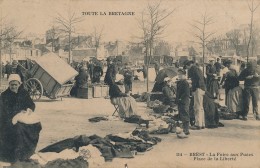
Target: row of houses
{"points": [[82, 48]]}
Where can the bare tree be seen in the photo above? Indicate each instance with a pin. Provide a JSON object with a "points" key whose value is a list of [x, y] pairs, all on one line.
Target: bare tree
{"points": [[54, 34], [152, 24], [97, 38], [255, 40], [67, 25], [8, 33], [234, 36], [252, 7], [201, 32]]}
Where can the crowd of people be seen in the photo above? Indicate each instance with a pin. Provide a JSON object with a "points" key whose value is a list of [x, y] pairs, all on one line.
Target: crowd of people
{"points": [[13, 68], [196, 97], [197, 104], [193, 89]]}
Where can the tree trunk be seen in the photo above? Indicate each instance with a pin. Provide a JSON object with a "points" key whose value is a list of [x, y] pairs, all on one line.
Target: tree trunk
{"points": [[250, 36], [70, 56]]}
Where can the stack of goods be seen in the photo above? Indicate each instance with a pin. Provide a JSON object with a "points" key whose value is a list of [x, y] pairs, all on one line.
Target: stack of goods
{"points": [[225, 113], [152, 104], [112, 146], [141, 98], [161, 108]]}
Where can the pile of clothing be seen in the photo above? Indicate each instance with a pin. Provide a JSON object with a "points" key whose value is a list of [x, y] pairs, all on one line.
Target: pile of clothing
{"points": [[97, 119], [141, 98], [155, 103], [112, 146], [164, 124], [226, 114], [77, 162], [161, 108]]}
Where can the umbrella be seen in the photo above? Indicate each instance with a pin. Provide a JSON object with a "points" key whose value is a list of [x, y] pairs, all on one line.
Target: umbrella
{"points": [[166, 72]]}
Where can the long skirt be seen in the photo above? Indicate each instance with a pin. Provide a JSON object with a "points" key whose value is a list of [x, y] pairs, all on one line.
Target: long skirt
{"points": [[213, 88], [127, 106], [19, 141], [235, 99], [211, 112]]}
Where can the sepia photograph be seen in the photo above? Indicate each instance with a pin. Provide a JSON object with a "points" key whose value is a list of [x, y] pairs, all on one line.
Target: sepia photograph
{"points": [[129, 83]]}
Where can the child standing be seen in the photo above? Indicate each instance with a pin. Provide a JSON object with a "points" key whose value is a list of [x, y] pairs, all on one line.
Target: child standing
{"points": [[183, 102]]}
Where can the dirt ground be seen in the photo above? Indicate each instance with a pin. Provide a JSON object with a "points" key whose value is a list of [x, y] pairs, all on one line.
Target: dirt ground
{"points": [[69, 118]]}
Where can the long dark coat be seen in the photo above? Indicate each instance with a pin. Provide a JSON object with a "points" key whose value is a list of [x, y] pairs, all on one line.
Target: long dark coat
{"points": [[17, 142], [211, 112], [82, 79], [183, 100], [97, 73], [110, 74]]}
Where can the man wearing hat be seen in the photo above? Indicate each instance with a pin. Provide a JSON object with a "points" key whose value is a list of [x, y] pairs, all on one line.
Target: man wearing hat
{"points": [[8, 69], [183, 101], [90, 66], [251, 89], [111, 72], [212, 80], [198, 88], [19, 140], [97, 72]]}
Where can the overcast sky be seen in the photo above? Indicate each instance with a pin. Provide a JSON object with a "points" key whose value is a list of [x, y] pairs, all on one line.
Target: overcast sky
{"points": [[36, 16]]}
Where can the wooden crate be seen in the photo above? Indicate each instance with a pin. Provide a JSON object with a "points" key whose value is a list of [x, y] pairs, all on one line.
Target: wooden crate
{"points": [[90, 92], [85, 93], [82, 93], [100, 91]]}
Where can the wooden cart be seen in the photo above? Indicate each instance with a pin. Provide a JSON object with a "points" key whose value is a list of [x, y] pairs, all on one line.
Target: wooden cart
{"points": [[50, 76]]}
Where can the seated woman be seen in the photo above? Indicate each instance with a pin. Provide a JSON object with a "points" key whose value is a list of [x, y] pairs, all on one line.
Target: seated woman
{"points": [[211, 112], [127, 104], [19, 134], [168, 93]]}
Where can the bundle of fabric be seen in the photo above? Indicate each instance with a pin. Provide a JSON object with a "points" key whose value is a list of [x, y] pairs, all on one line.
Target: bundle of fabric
{"points": [[138, 140], [135, 96], [142, 98], [97, 119], [225, 113], [120, 145], [26, 117], [79, 162], [161, 108], [159, 126], [137, 120], [24, 164], [154, 103]]}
